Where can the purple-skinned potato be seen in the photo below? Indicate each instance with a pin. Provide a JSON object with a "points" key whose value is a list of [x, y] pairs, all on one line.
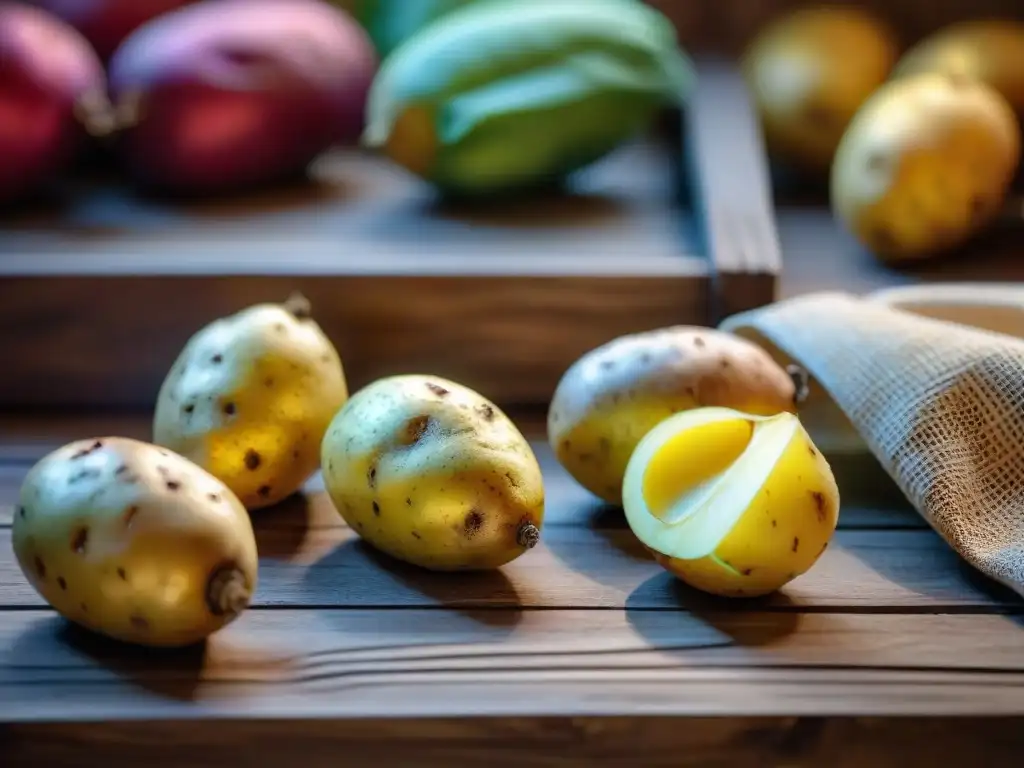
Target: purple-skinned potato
{"points": [[106, 23], [50, 82], [229, 94]]}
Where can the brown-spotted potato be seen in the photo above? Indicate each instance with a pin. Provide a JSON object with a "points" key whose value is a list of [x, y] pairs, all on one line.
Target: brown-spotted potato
{"points": [[925, 165], [432, 473], [614, 394], [250, 397], [135, 542]]}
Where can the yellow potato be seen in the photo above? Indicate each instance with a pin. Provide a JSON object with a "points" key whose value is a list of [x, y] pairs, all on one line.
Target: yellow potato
{"points": [[991, 50], [134, 542], [613, 395], [733, 504], [808, 73], [432, 473], [250, 397], [925, 165]]}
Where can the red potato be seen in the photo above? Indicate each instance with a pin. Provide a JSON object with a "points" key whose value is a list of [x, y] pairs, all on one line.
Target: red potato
{"points": [[49, 75], [106, 23], [225, 94]]}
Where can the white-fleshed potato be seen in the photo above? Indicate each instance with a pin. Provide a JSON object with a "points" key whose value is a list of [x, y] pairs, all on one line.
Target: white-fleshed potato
{"points": [[613, 395], [135, 542], [925, 165], [432, 473], [250, 397]]}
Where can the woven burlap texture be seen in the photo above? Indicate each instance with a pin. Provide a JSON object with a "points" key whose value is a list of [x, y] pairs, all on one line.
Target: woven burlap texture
{"points": [[940, 405]]}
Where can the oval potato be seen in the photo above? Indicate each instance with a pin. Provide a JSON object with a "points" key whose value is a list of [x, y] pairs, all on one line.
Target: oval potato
{"points": [[432, 473], [808, 73], [991, 50], [613, 395], [134, 542], [925, 165], [250, 397]]}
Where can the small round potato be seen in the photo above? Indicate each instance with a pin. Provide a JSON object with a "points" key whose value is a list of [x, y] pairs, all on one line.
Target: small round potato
{"points": [[134, 542], [430, 472], [808, 73], [990, 50], [733, 504], [613, 395], [925, 165], [250, 397]]}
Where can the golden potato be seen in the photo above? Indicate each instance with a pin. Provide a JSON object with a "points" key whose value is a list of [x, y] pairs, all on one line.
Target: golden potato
{"points": [[808, 73], [250, 397], [733, 504], [613, 395], [925, 165], [991, 50], [134, 542], [432, 473]]}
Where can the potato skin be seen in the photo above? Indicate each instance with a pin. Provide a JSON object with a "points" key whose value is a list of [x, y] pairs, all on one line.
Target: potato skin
{"points": [[430, 472], [780, 537], [991, 50], [808, 73], [49, 72], [134, 542], [106, 23], [925, 165], [249, 399], [273, 83], [612, 396]]}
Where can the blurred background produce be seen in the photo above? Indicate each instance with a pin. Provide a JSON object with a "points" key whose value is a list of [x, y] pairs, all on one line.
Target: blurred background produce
{"points": [[503, 95], [230, 93], [809, 72], [221, 97], [106, 23], [913, 170], [48, 76]]}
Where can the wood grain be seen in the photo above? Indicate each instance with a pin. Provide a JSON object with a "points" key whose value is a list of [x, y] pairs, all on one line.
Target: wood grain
{"points": [[501, 297], [311, 664], [584, 567], [557, 742]]}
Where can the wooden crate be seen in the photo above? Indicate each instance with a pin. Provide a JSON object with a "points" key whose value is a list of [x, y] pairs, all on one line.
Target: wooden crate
{"points": [[674, 229]]}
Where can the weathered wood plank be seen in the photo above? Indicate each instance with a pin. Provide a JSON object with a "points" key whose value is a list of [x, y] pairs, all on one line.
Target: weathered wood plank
{"points": [[577, 742], [311, 664], [584, 567]]}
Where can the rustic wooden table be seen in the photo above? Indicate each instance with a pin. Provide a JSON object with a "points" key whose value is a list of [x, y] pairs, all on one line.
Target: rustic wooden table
{"points": [[583, 652]]}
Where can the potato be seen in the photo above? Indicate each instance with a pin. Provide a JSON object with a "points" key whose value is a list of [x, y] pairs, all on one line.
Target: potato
{"points": [[49, 79], [134, 542], [504, 96], [106, 23], [430, 472], [249, 399], [226, 94], [808, 73], [733, 504], [613, 395], [991, 50], [925, 165]]}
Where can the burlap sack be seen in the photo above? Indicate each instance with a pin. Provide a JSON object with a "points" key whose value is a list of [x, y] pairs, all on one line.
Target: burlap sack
{"points": [[940, 404]]}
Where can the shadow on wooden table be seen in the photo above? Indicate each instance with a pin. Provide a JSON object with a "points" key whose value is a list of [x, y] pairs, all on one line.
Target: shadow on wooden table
{"points": [[777, 615], [463, 592], [281, 529], [180, 669]]}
